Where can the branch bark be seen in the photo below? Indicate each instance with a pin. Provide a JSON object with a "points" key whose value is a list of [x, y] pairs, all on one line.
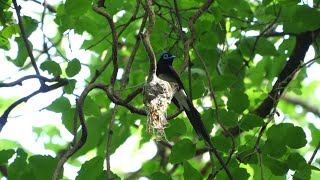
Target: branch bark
{"points": [[24, 37], [146, 39], [303, 42]]}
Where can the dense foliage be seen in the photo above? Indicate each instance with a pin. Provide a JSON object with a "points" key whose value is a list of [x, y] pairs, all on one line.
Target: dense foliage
{"points": [[243, 62]]}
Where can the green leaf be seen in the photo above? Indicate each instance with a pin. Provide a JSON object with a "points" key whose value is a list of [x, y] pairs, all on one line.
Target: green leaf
{"points": [[276, 166], [69, 88], [223, 82], [275, 148], [91, 169], [160, 175], [29, 24], [237, 173], [227, 4], [52, 67], [222, 143], [5, 155], [296, 138], [315, 134], [296, 162], [19, 169], [295, 86], [266, 171], [287, 134], [8, 144], [208, 117], [103, 176], [4, 43], [304, 174], [123, 132], [246, 46], [300, 19], [250, 121], [95, 128], [9, 31], [22, 53], [43, 166], [238, 101], [288, 2], [91, 107], [190, 172], [73, 68], [181, 151], [150, 167], [77, 7], [228, 118], [59, 105], [266, 48], [176, 127], [68, 119]]}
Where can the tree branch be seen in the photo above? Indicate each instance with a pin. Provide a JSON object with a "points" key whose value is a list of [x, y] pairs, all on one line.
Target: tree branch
{"points": [[25, 39], [98, 8], [73, 149], [42, 89], [146, 39], [314, 153], [19, 81], [189, 42], [303, 104], [303, 41]]}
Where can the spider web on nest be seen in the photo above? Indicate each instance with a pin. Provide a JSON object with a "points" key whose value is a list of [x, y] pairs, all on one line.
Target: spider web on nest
{"points": [[157, 97]]}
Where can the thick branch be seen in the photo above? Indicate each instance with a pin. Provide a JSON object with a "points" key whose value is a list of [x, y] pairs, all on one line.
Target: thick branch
{"points": [[303, 41], [82, 140], [98, 8]]}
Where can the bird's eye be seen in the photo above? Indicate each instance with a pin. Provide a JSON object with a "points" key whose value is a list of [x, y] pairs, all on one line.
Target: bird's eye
{"points": [[165, 56]]}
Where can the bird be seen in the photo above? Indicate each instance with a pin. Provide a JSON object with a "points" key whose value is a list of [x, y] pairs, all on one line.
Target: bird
{"points": [[166, 72]]}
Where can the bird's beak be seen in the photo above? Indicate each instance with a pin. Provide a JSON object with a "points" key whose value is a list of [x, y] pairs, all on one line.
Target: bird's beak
{"points": [[172, 57]]}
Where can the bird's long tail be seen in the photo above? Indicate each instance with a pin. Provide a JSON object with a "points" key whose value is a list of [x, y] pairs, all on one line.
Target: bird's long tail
{"points": [[196, 121]]}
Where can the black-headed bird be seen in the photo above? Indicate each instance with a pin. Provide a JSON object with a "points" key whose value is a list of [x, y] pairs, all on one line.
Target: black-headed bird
{"points": [[166, 72]]}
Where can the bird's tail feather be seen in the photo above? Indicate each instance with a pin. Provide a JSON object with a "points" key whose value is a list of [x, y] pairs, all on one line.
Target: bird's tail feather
{"points": [[196, 121]]}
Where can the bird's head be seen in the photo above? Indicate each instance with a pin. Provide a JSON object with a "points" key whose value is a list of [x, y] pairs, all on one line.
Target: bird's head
{"points": [[167, 58]]}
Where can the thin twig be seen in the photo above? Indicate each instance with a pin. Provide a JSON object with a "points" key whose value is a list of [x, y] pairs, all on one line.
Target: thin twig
{"points": [[19, 81], [98, 8], [257, 39], [191, 24], [75, 124], [314, 153], [43, 89], [213, 96], [24, 37], [109, 140], [46, 5], [304, 104]]}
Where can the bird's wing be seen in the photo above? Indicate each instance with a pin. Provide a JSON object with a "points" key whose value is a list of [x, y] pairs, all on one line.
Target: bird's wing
{"points": [[167, 73]]}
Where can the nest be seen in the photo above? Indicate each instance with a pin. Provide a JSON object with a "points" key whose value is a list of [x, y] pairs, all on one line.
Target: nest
{"points": [[157, 97]]}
